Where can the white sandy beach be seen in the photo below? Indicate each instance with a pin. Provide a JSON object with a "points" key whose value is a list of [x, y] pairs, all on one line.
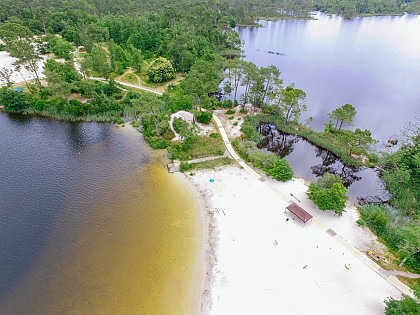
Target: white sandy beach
{"points": [[260, 263]]}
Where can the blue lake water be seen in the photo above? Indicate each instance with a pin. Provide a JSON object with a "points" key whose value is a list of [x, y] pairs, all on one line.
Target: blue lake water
{"points": [[372, 63]]}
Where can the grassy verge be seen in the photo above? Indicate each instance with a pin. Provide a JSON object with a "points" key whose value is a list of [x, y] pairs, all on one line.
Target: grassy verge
{"points": [[129, 78], [110, 117], [185, 166], [195, 147]]}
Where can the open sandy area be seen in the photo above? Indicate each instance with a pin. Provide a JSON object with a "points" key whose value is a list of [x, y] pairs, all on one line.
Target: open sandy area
{"points": [[7, 62], [258, 262]]}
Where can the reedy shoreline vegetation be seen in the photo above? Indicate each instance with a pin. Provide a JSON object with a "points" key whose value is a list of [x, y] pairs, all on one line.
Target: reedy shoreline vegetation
{"points": [[198, 39]]}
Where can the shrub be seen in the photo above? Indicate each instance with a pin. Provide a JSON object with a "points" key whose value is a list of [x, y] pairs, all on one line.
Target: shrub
{"points": [[405, 306], [161, 70], [135, 124], [181, 126], [376, 218], [269, 162], [281, 170], [14, 102], [230, 111], [243, 111], [204, 117], [184, 166], [328, 193], [226, 104], [231, 117], [215, 135], [250, 133]]}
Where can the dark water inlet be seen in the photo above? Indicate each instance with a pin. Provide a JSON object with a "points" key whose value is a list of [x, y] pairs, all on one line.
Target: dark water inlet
{"points": [[310, 162]]}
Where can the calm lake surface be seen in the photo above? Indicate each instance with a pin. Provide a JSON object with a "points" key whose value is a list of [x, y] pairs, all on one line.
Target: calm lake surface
{"points": [[372, 63], [92, 223]]}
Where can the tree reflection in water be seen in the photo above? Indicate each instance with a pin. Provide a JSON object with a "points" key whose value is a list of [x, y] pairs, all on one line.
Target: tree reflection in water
{"points": [[331, 164], [283, 144], [275, 141]]}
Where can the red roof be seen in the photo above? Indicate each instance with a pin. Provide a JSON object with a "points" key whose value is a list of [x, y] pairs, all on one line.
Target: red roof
{"points": [[299, 212]]}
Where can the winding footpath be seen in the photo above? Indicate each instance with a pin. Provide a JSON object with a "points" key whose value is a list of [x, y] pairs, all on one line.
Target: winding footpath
{"points": [[388, 275]]}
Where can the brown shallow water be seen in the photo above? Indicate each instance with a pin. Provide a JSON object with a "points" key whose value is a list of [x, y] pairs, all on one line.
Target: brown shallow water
{"points": [[126, 243]]}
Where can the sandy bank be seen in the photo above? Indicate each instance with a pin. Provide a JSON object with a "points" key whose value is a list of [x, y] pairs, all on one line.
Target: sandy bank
{"points": [[258, 262]]}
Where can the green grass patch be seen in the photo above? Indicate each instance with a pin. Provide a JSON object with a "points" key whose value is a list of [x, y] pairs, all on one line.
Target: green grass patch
{"points": [[129, 78], [185, 166], [194, 147]]}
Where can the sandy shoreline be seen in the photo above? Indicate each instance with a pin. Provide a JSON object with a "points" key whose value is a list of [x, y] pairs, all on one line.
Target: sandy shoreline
{"points": [[200, 275], [258, 262]]}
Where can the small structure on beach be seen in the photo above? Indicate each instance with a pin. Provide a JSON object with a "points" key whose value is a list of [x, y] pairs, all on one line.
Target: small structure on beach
{"points": [[299, 212]]}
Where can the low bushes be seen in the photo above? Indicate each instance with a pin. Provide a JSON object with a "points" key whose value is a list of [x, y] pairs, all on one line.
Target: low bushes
{"points": [[203, 117], [328, 193], [398, 232], [270, 163], [181, 126]]}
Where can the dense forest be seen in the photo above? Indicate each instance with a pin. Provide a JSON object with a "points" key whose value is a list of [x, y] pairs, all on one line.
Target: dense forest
{"points": [[190, 50]]}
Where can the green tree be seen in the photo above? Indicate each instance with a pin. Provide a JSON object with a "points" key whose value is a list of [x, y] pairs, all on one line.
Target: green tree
{"points": [[328, 193], [61, 77], [21, 44], [161, 70], [61, 48], [202, 80], [203, 117], [136, 58], [251, 75], [272, 81], [97, 61], [292, 103], [235, 74], [6, 76], [344, 114], [359, 140]]}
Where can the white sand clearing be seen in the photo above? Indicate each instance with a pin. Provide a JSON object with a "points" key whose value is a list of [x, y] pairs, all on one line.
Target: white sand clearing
{"points": [[261, 263], [7, 62]]}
